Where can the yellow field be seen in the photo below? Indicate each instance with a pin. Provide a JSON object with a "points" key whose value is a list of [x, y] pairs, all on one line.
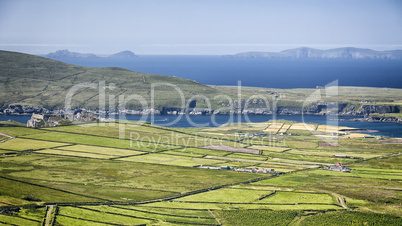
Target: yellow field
{"points": [[303, 126], [274, 127], [284, 128], [74, 153]]}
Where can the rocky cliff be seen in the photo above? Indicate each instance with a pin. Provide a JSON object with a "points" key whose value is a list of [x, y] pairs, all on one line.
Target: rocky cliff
{"points": [[328, 108], [42, 120]]}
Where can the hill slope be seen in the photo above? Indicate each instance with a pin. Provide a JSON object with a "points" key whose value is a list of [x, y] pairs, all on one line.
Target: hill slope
{"points": [[38, 81]]}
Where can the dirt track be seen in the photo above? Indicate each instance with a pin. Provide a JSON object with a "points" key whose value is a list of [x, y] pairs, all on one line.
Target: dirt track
{"points": [[5, 135]]}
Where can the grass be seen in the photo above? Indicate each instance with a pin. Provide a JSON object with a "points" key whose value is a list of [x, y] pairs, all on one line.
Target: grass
{"points": [[396, 115], [100, 141], [247, 156], [30, 178], [75, 221], [56, 78], [151, 215], [177, 212], [19, 144], [24, 191], [99, 216], [351, 218], [227, 195], [299, 197], [102, 150], [230, 195], [142, 133], [3, 152], [19, 131], [362, 173], [220, 206], [13, 220], [377, 192], [256, 217], [269, 148], [32, 213], [71, 164], [332, 153], [183, 153], [76, 153], [304, 159], [116, 173], [202, 151], [382, 163], [174, 160], [12, 201], [301, 144]]}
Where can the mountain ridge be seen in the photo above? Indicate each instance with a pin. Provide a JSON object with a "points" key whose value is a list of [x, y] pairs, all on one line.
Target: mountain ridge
{"points": [[65, 53], [311, 53]]}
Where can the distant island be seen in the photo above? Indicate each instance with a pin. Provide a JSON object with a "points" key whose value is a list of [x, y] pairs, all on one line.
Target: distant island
{"points": [[310, 53], [64, 54]]}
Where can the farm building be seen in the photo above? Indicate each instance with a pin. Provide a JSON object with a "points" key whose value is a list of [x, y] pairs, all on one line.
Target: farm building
{"points": [[339, 168], [208, 167]]}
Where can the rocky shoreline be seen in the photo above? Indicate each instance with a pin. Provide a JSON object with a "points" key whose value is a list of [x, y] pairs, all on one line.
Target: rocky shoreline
{"points": [[373, 119], [316, 109]]}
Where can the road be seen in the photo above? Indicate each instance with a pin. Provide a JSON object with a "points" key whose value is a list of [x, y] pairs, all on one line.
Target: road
{"points": [[49, 215], [341, 201], [5, 135]]}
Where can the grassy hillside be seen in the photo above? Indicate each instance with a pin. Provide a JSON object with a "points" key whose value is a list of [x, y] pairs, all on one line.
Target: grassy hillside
{"points": [[42, 82], [37, 81]]}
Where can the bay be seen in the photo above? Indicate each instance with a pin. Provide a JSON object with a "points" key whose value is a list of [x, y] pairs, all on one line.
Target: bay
{"points": [[381, 128], [261, 72]]}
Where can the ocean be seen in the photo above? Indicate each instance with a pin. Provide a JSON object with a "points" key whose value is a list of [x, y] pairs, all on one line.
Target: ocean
{"points": [[260, 72], [381, 128]]}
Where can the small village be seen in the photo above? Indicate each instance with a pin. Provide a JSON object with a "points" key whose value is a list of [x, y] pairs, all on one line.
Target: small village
{"points": [[250, 170]]}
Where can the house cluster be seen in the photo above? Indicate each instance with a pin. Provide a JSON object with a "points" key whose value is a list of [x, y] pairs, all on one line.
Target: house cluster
{"points": [[338, 133], [339, 168], [250, 135], [256, 170], [346, 156], [251, 170]]}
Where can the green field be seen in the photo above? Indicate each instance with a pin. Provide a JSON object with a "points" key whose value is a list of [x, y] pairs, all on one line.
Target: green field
{"points": [[175, 160], [257, 217], [19, 144], [95, 178], [351, 218]]}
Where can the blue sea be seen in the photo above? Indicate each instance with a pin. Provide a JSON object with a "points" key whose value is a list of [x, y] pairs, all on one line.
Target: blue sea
{"points": [[381, 128], [260, 72]]}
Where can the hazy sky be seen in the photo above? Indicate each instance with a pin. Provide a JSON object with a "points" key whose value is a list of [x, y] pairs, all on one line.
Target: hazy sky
{"points": [[198, 26]]}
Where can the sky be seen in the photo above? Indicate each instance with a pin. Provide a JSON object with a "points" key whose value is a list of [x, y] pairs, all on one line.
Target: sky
{"points": [[197, 27]]}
